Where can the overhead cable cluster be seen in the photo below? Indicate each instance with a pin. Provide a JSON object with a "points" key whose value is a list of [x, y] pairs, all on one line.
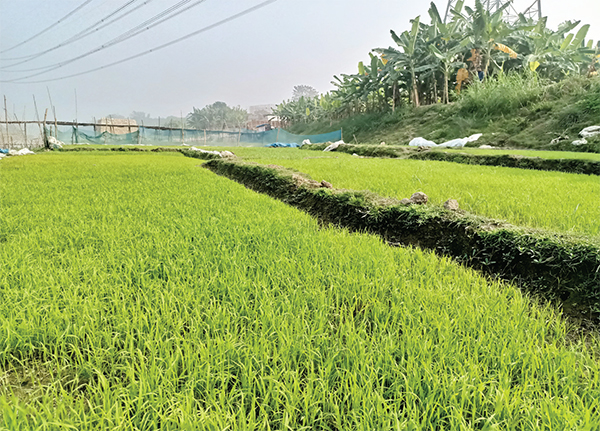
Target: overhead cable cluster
{"points": [[115, 15]]}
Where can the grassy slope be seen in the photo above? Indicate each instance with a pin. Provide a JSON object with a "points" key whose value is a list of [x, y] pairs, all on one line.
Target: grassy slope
{"points": [[513, 112], [142, 292]]}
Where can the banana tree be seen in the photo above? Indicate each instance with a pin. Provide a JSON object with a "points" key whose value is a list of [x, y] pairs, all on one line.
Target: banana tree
{"points": [[448, 62], [445, 47], [574, 53], [553, 54], [483, 32], [408, 58]]}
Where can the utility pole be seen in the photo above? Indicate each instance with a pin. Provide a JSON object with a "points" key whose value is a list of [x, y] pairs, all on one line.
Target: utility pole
{"points": [[451, 5], [534, 11]]}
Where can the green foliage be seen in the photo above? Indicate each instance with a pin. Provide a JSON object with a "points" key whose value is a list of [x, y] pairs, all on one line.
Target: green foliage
{"points": [[218, 116], [514, 111], [305, 91], [502, 96], [585, 109], [422, 66]]}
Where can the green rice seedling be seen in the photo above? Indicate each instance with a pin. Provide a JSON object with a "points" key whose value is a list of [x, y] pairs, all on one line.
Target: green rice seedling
{"points": [[141, 291], [534, 153], [548, 200]]}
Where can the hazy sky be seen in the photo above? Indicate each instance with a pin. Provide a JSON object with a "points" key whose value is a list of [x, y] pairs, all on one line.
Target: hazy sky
{"points": [[254, 59]]}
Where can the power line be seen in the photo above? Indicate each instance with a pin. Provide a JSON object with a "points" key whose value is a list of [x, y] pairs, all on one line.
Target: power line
{"points": [[49, 27], [157, 48], [83, 33], [534, 11], [146, 25]]}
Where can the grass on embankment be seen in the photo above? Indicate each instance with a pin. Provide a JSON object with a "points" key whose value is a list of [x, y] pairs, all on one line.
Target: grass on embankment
{"points": [[140, 291], [514, 111], [548, 200], [531, 153], [585, 166]]}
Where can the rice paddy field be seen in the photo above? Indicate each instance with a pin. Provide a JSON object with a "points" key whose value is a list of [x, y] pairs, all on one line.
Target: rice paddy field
{"points": [[139, 291], [539, 199], [533, 153]]}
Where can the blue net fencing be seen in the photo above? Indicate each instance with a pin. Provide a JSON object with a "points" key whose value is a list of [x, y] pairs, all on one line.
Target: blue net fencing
{"points": [[151, 136]]}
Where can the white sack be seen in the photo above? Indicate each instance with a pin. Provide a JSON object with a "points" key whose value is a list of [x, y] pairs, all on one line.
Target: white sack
{"points": [[588, 132], [334, 146], [454, 143], [421, 142], [582, 141]]}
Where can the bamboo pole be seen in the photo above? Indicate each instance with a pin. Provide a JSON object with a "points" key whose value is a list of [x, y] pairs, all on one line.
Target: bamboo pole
{"points": [[37, 116], [51, 105], [18, 122], [205, 137], [182, 132], [72, 123], [45, 136], [55, 123], [6, 119], [2, 137], [21, 128]]}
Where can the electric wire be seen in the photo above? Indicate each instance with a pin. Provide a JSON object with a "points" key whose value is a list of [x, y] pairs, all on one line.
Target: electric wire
{"points": [[85, 3], [140, 28], [98, 25], [159, 47]]}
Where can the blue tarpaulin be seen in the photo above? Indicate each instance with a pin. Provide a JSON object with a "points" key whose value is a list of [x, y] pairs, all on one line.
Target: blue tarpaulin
{"points": [[283, 145]]}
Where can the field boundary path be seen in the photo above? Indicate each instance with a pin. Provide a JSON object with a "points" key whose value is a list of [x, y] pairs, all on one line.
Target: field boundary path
{"points": [[573, 166], [555, 267]]}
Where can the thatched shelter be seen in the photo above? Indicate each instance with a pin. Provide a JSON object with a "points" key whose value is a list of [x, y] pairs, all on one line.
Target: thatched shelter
{"points": [[118, 126]]}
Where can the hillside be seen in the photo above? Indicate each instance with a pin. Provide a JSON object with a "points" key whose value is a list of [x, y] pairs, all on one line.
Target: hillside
{"points": [[511, 112]]}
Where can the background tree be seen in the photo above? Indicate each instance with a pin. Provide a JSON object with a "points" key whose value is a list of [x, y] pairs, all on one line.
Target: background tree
{"points": [[140, 117], [305, 91], [217, 116], [175, 123], [115, 116]]}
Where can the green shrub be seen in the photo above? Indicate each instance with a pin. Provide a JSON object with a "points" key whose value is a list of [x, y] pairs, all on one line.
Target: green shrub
{"points": [[505, 94]]}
